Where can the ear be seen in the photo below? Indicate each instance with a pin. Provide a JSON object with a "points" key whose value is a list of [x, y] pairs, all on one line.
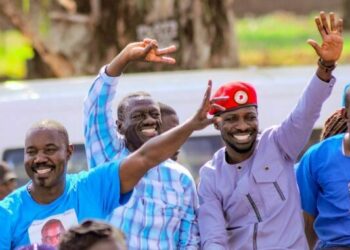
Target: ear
{"points": [[120, 127], [70, 150], [344, 113]]}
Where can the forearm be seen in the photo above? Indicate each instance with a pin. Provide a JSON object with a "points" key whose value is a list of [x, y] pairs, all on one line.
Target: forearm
{"points": [[117, 65], [101, 139], [309, 230]]}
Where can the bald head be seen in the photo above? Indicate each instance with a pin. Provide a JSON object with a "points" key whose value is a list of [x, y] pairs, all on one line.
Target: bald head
{"points": [[49, 125]]}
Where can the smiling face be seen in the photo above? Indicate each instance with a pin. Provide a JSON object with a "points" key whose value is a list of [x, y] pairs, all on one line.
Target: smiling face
{"points": [[239, 129], [141, 122], [46, 155]]}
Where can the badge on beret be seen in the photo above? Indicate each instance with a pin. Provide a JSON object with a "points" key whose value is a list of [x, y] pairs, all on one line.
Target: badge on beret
{"points": [[241, 97]]}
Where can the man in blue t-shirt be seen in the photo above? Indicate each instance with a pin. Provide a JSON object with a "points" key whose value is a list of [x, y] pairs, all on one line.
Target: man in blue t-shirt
{"points": [[324, 181], [53, 196]]}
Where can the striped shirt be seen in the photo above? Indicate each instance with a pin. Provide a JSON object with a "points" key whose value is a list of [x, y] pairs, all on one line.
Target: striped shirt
{"points": [[161, 214]]}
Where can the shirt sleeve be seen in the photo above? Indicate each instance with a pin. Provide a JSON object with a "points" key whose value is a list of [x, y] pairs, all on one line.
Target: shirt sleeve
{"points": [[307, 185], [212, 224], [189, 232], [5, 235], [102, 142], [104, 182], [294, 132]]}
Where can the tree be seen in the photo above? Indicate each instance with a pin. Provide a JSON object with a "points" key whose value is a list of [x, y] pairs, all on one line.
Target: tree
{"points": [[83, 35]]}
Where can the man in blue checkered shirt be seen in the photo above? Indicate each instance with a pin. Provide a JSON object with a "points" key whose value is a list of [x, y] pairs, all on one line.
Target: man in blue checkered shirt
{"points": [[161, 214]]}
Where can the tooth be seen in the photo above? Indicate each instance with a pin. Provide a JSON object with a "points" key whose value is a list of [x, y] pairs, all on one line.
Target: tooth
{"points": [[43, 171]]}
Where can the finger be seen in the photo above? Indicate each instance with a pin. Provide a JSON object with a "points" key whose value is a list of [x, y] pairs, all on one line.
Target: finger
{"points": [[340, 26], [163, 59], [148, 40], [320, 27], [332, 21], [219, 98], [315, 45], [148, 48], [323, 17], [167, 50], [218, 107]]}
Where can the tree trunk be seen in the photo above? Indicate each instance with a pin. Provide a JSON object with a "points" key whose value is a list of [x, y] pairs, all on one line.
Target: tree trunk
{"points": [[84, 35], [346, 16]]}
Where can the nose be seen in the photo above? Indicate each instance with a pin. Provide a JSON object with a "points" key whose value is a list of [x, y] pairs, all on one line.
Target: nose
{"points": [[241, 125], [149, 120], [40, 158]]}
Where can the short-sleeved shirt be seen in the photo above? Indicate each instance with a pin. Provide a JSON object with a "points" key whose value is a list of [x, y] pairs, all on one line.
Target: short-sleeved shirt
{"points": [[323, 177], [87, 195]]}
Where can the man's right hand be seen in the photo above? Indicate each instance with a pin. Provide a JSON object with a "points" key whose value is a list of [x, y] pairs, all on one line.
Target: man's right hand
{"points": [[147, 51]]}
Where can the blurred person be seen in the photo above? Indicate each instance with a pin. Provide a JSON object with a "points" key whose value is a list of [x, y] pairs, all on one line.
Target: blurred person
{"points": [[248, 193], [170, 119], [8, 180], [93, 235], [161, 213], [73, 198], [324, 183]]}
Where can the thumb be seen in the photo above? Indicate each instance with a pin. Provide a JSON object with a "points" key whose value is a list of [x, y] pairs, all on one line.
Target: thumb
{"points": [[314, 45]]}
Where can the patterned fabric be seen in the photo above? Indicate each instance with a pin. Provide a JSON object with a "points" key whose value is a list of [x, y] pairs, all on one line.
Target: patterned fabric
{"points": [[161, 213]]}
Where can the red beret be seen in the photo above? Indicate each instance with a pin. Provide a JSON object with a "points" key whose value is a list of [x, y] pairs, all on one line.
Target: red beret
{"points": [[240, 94]]}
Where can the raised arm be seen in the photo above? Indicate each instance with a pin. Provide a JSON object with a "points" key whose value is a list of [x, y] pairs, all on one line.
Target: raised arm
{"points": [[294, 132], [164, 146], [102, 142]]}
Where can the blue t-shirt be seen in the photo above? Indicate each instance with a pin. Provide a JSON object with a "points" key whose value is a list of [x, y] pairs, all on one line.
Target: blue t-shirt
{"points": [[324, 181], [87, 195]]}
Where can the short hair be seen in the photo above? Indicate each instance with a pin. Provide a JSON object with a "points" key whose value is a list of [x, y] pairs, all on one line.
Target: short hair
{"points": [[346, 96], [124, 102], [335, 124], [50, 124], [166, 109], [89, 233]]}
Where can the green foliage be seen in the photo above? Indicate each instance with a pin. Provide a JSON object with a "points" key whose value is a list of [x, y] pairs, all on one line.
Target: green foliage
{"points": [[279, 39], [14, 51]]}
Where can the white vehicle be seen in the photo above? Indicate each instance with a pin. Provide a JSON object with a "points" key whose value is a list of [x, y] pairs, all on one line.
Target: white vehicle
{"points": [[24, 102]]}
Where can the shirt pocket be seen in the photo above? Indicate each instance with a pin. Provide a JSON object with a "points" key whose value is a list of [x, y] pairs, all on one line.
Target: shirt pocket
{"points": [[162, 209]]}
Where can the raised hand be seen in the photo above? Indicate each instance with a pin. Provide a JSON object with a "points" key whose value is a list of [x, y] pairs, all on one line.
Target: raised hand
{"points": [[332, 39], [148, 50], [200, 120]]}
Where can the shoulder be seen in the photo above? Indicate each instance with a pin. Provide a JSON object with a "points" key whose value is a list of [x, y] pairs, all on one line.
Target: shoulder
{"points": [[213, 166], [324, 147], [13, 203]]}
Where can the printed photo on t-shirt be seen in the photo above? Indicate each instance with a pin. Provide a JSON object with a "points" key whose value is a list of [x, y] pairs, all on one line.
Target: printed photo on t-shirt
{"points": [[49, 230]]}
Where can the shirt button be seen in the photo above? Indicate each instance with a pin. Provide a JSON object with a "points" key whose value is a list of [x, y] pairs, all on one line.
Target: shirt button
{"points": [[267, 168], [239, 167]]}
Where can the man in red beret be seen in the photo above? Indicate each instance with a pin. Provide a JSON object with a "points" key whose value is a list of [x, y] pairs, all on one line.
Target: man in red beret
{"points": [[248, 193]]}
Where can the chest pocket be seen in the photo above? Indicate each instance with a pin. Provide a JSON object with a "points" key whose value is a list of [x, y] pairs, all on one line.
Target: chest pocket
{"points": [[272, 178], [161, 204]]}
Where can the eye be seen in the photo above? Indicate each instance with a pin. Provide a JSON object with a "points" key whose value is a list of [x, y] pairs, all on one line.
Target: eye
{"points": [[50, 151], [136, 116], [251, 118], [30, 151], [155, 115]]}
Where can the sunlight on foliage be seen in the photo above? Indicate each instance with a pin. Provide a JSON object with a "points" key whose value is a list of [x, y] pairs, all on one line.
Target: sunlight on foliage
{"points": [[280, 39], [14, 51]]}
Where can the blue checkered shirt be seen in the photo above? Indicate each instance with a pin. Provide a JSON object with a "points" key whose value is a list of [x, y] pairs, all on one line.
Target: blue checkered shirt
{"points": [[161, 214]]}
